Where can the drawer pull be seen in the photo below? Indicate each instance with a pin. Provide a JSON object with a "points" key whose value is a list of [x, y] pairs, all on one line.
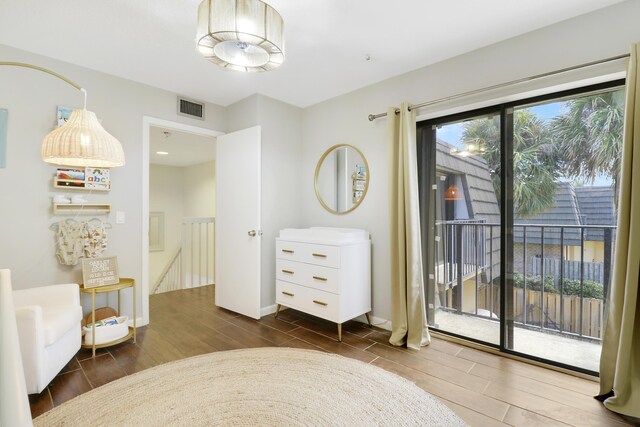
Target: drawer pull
{"points": [[320, 302], [324, 279], [319, 255], [289, 294], [287, 251], [287, 271]]}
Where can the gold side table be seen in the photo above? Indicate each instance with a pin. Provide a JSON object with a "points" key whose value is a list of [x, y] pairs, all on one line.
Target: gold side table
{"points": [[123, 284]]}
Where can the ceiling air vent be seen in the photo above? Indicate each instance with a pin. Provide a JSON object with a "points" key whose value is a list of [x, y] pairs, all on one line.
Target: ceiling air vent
{"points": [[191, 108]]}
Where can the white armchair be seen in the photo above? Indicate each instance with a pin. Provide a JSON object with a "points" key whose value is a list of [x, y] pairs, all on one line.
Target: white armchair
{"points": [[14, 403], [49, 331]]}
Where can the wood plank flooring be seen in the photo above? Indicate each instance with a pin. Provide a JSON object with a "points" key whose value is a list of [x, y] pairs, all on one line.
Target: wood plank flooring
{"points": [[484, 389]]}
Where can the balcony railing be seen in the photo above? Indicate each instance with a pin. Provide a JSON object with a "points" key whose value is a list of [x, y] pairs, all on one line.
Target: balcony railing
{"points": [[555, 289]]}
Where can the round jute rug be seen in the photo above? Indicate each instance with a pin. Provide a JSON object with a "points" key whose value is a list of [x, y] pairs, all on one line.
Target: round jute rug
{"points": [[265, 386]]}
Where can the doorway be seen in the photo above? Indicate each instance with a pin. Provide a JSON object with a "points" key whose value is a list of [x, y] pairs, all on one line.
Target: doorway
{"points": [[178, 207]]}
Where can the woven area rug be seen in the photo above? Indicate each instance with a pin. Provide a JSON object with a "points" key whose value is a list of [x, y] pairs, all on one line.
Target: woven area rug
{"points": [[265, 386]]}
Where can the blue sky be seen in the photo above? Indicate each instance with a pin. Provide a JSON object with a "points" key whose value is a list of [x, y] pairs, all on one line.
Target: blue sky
{"points": [[452, 133]]}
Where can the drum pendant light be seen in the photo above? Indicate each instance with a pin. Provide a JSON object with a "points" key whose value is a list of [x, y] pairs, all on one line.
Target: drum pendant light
{"points": [[241, 35]]}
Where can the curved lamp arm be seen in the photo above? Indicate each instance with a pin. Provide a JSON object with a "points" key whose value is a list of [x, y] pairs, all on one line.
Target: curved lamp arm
{"points": [[53, 73], [81, 141]]}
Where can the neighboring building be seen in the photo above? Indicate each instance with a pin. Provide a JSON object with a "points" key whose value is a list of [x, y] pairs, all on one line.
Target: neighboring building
{"points": [[475, 213], [572, 208], [476, 208]]}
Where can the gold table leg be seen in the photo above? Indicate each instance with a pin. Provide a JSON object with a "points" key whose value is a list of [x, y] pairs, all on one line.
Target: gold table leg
{"points": [[278, 310], [368, 319], [134, 312], [93, 326], [340, 332]]}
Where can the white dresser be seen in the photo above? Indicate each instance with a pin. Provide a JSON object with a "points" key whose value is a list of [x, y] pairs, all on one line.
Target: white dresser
{"points": [[325, 272]]}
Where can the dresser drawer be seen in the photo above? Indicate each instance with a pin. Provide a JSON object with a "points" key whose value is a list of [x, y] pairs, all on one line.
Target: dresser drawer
{"points": [[309, 275], [313, 301], [325, 255]]}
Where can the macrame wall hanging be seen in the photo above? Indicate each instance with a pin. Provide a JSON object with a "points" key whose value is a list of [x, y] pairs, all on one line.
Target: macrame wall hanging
{"points": [[78, 239]]}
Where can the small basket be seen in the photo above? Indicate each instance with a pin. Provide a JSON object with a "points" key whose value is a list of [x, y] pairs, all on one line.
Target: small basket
{"points": [[106, 333]]}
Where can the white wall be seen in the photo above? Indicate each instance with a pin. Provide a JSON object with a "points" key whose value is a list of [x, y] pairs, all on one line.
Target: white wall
{"points": [[200, 190], [25, 184], [179, 192], [590, 37], [166, 187], [293, 140], [281, 184], [200, 201], [281, 171]]}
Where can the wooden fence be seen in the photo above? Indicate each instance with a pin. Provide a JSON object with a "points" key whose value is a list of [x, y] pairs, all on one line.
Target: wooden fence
{"points": [[571, 269], [592, 310]]}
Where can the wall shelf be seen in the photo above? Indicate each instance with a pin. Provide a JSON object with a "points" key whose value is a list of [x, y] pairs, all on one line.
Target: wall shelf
{"points": [[67, 184], [80, 209]]}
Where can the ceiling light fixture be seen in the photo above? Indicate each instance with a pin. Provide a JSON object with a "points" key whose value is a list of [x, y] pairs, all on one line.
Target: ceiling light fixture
{"points": [[241, 35], [81, 141]]}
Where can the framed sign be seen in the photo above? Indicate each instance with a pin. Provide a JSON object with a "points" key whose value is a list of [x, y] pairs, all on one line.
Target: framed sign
{"points": [[100, 272]]}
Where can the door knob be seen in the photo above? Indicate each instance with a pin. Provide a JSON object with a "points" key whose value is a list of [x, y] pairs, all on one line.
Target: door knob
{"points": [[252, 233]]}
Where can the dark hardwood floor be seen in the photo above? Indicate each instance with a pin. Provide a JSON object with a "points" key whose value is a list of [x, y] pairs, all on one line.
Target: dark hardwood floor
{"points": [[482, 388]]}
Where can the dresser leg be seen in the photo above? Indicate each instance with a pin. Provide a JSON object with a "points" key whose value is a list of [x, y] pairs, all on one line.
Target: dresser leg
{"points": [[340, 332], [277, 310], [368, 319]]}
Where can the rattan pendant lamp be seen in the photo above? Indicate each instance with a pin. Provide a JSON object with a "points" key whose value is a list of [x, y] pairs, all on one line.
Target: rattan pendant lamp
{"points": [[81, 141]]}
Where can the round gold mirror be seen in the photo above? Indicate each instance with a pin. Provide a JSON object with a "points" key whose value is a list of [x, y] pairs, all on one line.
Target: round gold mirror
{"points": [[342, 178]]}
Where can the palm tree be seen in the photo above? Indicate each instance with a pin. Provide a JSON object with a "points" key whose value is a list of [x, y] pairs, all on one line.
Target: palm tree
{"points": [[589, 136], [535, 163]]}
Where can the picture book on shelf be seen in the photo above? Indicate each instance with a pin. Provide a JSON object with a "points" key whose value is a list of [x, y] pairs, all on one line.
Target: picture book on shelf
{"points": [[113, 320]]}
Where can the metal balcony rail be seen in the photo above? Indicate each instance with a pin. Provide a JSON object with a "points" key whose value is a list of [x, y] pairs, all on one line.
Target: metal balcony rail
{"points": [[467, 256]]}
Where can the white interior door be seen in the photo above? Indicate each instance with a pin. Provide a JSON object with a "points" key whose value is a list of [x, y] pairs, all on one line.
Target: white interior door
{"points": [[238, 235]]}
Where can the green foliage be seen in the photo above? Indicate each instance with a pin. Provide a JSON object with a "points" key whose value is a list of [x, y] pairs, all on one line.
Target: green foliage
{"points": [[590, 288], [534, 283], [536, 167], [582, 143], [589, 135]]}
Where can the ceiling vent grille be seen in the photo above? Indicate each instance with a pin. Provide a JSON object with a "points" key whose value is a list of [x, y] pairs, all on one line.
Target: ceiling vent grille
{"points": [[191, 108]]}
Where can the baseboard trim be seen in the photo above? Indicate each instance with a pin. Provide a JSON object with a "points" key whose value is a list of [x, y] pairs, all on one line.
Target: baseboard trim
{"points": [[265, 311], [380, 322]]}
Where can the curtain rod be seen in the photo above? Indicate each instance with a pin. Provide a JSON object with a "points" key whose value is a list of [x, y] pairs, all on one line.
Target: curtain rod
{"points": [[372, 117]]}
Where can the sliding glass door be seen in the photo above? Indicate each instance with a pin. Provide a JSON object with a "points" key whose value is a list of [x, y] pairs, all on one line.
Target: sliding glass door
{"points": [[518, 207], [464, 230]]}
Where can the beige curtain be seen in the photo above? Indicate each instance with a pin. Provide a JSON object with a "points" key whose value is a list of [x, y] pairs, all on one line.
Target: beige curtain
{"points": [[620, 360], [408, 311]]}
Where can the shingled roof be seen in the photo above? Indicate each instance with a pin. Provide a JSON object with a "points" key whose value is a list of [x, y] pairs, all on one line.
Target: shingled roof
{"points": [[596, 208], [572, 206], [483, 203]]}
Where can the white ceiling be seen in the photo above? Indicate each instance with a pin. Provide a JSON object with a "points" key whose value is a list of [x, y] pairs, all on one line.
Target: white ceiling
{"points": [[185, 149], [153, 41]]}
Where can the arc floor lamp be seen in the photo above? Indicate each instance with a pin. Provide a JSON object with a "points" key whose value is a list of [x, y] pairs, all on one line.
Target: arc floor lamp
{"points": [[81, 141]]}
